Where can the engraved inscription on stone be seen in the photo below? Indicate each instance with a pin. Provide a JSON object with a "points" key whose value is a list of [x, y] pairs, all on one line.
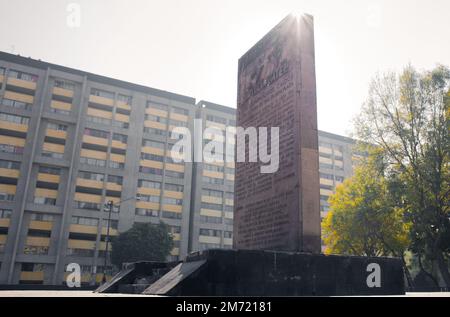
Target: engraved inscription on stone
{"points": [[275, 89]]}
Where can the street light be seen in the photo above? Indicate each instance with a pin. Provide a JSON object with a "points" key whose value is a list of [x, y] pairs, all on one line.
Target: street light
{"points": [[109, 207]]}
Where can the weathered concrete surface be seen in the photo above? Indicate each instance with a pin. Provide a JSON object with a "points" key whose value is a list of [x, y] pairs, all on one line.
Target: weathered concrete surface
{"points": [[272, 273]]}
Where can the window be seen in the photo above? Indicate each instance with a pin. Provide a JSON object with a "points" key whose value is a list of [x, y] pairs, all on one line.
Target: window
{"points": [[147, 212], [14, 119], [326, 176], [150, 198], [102, 93], [120, 137], [213, 193], [56, 126], [210, 232], [155, 131], [151, 143], [116, 165], [80, 252], [327, 187], [85, 221], [6, 197], [2, 71], [113, 224], [92, 161], [149, 184], [60, 83], [155, 118], [33, 267], [171, 215], [228, 221], [180, 111], [9, 165], [96, 133], [87, 205], [173, 187], [42, 217], [325, 144], [120, 124], [216, 119], [124, 98], [150, 170], [5, 213], [212, 180], [35, 250], [98, 120], [152, 157], [325, 155], [6, 148], [23, 76], [178, 123], [158, 106], [212, 206], [172, 201], [16, 104], [209, 219], [52, 154], [173, 174], [228, 234], [214, 168], [115, 179], [339, 179], [91, 176], [45, 201], [327, 166]]}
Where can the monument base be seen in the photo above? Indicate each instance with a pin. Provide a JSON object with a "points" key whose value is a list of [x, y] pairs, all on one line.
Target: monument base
{"points": [[272, 273]]}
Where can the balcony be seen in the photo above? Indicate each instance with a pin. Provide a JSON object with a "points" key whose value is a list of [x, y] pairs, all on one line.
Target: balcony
{"points": [[32, 276], [21, 83], [63, 92], [101, 100]]}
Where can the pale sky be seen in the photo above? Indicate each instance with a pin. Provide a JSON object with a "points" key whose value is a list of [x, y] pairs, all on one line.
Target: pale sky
{"points": [[191, 47]]}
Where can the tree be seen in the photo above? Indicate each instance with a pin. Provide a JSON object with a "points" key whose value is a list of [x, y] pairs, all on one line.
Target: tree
{"points": [[143, 242], [365, 218], [407, 116]]}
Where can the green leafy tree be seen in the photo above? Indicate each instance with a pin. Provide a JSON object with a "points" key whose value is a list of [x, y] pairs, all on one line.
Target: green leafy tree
{"points": [[407, 116], [365, 218], [143, 242]]}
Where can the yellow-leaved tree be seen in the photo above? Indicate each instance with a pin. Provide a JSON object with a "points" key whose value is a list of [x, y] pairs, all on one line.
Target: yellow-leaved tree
{"points": [[366, 216]]}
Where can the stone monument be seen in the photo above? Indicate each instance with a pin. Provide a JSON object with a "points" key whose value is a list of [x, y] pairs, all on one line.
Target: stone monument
{"points": [[277, 88], [277, 219]]}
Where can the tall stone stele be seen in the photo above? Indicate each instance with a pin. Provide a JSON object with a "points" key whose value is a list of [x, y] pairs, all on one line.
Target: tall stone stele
{"points": [[277, 88]]}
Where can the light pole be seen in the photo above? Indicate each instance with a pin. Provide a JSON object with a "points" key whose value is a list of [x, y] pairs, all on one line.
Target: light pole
{"points": [[110, 205]]}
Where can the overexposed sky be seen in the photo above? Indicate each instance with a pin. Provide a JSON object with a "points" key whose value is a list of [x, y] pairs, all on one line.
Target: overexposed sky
{"points": [[191, 47]]}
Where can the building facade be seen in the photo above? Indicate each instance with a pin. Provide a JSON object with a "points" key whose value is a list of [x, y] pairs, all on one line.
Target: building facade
{"points": [[71, 141]]}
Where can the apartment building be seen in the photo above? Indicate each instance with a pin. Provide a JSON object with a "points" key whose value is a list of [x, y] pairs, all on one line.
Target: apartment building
{"points": [[71, 141], [213, 184]]}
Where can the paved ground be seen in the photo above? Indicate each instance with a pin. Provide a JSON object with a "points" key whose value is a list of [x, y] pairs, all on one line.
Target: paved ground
{"points": [[91, 294]]}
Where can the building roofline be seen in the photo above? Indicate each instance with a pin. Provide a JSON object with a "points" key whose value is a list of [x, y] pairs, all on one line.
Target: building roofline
{"points": [[28, 61], [336, 136], [215, 106]]}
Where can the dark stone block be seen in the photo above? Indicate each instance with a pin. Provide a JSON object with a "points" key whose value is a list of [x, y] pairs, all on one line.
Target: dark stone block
{"points": [[272, 273]]}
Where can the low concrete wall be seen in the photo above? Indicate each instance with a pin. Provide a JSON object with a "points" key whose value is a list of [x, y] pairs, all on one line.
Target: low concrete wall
{"points": [[267, 273]]}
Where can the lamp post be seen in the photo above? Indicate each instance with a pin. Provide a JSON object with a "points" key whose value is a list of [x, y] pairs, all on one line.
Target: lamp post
{"points": [[109, 207]]}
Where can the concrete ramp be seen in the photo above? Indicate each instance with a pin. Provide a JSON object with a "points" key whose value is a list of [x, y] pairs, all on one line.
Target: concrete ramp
{"points": [[109, 287], [135, 277], [174, 278]]}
